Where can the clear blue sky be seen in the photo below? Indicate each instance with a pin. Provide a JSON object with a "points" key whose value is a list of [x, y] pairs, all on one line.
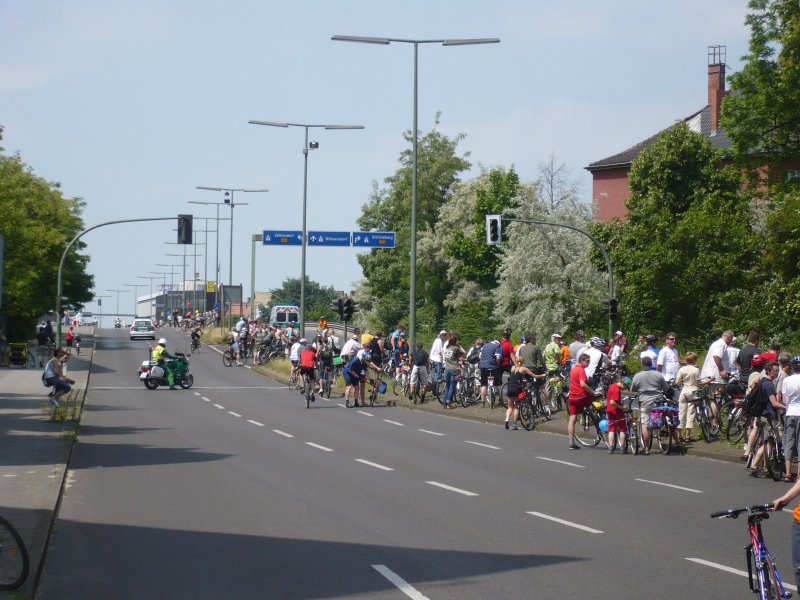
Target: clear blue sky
{"points": [[131, 104]]}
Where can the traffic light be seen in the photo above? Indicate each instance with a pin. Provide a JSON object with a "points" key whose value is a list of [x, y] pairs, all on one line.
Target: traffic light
{"points": [[184, 229], [493, 230], [337, 306], [613, 312], [349, 309], [99, 302]]}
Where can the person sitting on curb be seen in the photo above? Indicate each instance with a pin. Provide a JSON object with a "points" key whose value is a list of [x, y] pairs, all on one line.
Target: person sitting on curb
{"points": [[53, 375]]}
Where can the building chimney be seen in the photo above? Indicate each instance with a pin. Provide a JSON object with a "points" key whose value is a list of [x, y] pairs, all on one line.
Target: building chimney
{"points": [[716, 83]]}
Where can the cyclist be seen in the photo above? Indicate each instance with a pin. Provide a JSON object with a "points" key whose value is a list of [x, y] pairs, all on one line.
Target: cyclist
{"points": [[401, 352], [489, 363], [308, 360], [580, 396], [160, 355], [70, 338], [233, 342], [514, 389], [597, 360], [324, 359], [294, 355], [650, 385], [355, 374], [421, 363], [650, 350], [195, 335]]}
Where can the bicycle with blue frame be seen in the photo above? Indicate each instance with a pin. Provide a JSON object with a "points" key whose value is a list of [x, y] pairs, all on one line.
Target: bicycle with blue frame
{"points": [[762, 573]]}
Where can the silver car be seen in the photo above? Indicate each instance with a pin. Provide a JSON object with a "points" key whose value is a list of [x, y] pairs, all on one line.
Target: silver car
{"points": [[143, 329]]}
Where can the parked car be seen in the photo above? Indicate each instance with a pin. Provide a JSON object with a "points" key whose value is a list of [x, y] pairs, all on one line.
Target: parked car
{"points": [[143, 329], [87, 319]]}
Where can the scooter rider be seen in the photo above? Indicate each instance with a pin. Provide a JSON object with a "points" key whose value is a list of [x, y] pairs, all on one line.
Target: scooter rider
{"points": [[160, 355]]}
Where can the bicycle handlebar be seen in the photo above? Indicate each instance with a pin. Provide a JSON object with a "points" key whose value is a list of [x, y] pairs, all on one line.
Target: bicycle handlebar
{"points": [[733, 513]]}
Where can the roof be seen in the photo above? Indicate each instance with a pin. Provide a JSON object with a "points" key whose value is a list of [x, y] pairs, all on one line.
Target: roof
{"points": [[699, 121]]}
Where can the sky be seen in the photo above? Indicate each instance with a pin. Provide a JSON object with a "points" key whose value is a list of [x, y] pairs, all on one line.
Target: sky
{"points": [[132, 104]]}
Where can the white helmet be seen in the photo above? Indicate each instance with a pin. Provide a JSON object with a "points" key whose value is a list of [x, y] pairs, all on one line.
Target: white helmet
{"points": [[162, 341]]}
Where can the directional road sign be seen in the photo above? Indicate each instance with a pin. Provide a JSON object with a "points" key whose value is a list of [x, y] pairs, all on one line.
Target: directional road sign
{"points": [[282, 238], [373, 239], [328, 238]]}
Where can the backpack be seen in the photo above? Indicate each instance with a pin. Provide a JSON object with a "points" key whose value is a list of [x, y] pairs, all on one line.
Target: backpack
{"points": [[755, 401]]}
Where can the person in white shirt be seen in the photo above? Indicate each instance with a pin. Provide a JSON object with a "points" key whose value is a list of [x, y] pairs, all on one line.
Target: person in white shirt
{"points": [[716, 368], [437, 356], [596, 357], [790, 391], [351, 348], [668, 362]]}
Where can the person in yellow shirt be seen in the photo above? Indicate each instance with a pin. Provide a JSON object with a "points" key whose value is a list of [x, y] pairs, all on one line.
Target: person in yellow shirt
{"points": [[366, 338], [160, 355]]}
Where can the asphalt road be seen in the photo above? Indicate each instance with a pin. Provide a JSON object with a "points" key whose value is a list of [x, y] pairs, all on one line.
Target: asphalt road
{"points": [[234, 490]]}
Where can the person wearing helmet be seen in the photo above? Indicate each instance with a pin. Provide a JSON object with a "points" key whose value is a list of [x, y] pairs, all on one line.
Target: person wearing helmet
{"points": [[355, 377], [689, 377], [233, 342], [650, 350], [160, 355], [597, 360], [308, 361], [616, 415]]}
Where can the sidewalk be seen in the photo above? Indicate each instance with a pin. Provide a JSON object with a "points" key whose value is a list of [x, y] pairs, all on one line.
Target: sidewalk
{"points": [[34, 453]]}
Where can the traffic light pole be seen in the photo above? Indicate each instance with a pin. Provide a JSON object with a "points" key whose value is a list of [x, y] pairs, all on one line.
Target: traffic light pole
{"points": [[598, 245], [59, 281]]}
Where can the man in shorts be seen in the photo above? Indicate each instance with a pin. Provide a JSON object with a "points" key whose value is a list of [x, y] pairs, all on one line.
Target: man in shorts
{"points": [[650, 385], [580, 396], [308, 363], [420, 365]]}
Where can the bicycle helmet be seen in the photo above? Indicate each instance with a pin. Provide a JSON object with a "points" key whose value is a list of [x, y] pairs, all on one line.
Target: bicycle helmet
{"points": [[367, 356], [596, 342], [758, 362], [650, 339], [796, 363], [162, 341]]}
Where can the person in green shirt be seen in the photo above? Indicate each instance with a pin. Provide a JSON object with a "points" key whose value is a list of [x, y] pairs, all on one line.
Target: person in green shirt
{"points": [[552, 354]]}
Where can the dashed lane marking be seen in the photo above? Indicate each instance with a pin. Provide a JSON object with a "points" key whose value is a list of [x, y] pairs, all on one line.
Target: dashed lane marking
{"points": [[219, 406], [483, 445], [451, 488], [714, 565], [429, 431], [325, 448], [283, 433], [400, 583], [561, 462], [393, 422], [366, 414], [563, 522], [372, 464], [255, 422], [670, 485], [206, 399], [230, 412]]}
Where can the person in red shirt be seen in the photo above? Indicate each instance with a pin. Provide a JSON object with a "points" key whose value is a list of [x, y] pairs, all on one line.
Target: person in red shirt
{"points": [[615, 414], [308, 360], [580, 396]]}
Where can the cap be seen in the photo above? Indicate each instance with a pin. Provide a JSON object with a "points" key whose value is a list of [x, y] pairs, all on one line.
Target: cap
{"points": [[443, 332], [556, 335], [402, 334], [617, 333], [354, 337], [302, 340]]}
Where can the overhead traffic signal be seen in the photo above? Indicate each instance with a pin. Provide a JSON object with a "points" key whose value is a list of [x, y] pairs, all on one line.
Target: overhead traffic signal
{"points": [[349, 308], [493, 230], [184, 229], [337, 305], [613, 306]]}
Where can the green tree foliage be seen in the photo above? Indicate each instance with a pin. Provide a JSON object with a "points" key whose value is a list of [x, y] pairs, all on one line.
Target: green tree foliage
{"points": [[38, 223], [389, 209], [762, 114], [318, 298], [687, 252]]}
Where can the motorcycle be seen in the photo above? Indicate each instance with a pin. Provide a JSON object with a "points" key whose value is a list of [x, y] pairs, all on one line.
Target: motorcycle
{"points": [[117, 323], [152, 375]]}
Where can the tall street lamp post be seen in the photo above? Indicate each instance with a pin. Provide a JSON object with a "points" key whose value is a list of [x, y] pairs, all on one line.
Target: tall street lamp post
{"points": [[169, 306], [183, 283], [216, 261], [135, 287], [99, 305], [314, 146], [412, 303], [257, 237], [118, 293], [229, 201], [163, 292]]}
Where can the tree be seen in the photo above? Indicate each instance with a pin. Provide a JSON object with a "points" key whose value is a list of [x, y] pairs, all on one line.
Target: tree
{"points": [[389, 209], [318, 298], [38, 223], [687, 251], [762, 113]]}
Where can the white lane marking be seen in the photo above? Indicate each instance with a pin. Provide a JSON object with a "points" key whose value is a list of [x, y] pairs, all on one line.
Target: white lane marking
{"points": [[10, 475], [255, 422], [708, 563], [393, 422], [196, 393], [283, 433], [248, 367], [372, 464], [484, 445], [452, 489], [219, 406], [561, 462], [206, 399], [399, 582], [563, 522], [313, 445], [340, 404], [366, 414], [230, 412], [429, 431], [677, 487]]}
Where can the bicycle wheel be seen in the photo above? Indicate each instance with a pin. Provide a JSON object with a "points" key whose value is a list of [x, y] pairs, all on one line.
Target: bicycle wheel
{"points": [[663, 436], [326, 387], [14, 561], [552, 396], [705, 426], [227, 358], [307, 391], [526, 414], [543, 406], [775, 465], [587, 433], [293, 381], [634, 438], [772, 581], [734, 428], [397, 387]]}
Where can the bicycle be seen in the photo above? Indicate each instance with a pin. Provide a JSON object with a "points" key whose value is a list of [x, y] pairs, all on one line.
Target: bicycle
{"points": [[530, 409], [229, 357], [378, 387], [765, 581], [769, 439], [703, 415], [402, 382], [557, 384], [195, 346], [663, 426], [633, 438], [14, 559], [587, 429], [293, 379], [308, 390]]}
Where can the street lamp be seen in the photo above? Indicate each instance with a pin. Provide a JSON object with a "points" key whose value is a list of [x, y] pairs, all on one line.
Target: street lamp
{"points": [[135, 287], [118, 293], [183, 282], [229, 201], [216, 268], [412, 303], [314, 146], [99, 305], [257, 237]]}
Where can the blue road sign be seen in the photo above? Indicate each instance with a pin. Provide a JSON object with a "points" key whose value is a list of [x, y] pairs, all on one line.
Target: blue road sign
{"points": [[282, 238], [373, 239], [328, 238]]}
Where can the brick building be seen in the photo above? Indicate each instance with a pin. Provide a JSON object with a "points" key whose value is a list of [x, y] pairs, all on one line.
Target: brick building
{"points": [[610, 175]]}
